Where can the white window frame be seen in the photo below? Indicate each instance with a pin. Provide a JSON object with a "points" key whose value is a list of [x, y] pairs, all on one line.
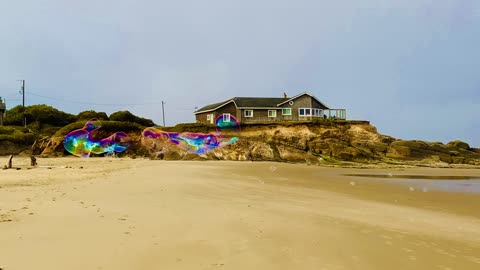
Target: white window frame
{"points": [[290, 109], [274, 115], [245, 113], [209, 117], [316, 112], [226, 116]]}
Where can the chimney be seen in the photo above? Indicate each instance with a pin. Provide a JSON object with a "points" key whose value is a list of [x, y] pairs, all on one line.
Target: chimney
{"points": [[285, 95]]}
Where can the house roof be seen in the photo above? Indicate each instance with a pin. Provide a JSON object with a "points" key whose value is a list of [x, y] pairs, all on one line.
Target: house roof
{"points": [[299, 95], [252, 102], [257, 102], [244, 102], [213, 106]]}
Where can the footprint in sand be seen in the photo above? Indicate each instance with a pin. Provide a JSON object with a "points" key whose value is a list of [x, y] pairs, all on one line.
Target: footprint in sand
{"points": [[473, 259], [407, 250]]}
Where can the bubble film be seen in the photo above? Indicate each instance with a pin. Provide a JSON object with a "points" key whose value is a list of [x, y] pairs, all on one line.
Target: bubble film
{"points": [[81, 143], [158, 141]]}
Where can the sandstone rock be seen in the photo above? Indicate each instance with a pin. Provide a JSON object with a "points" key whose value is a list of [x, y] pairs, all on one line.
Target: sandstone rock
{"points": [[303, 143]]}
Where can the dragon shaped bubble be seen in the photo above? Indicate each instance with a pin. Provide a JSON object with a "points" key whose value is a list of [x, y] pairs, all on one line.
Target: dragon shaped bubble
{"points": [[80, 142], [158, 141]]}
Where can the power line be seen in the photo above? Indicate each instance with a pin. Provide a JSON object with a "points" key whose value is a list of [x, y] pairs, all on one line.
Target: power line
{"points": [[93, 103]]}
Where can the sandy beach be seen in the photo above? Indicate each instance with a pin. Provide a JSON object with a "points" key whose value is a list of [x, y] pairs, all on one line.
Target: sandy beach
{"points": [[111, 213]]}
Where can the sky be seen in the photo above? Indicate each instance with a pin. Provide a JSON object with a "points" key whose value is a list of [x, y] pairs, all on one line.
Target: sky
{"points": [[410, 67]]}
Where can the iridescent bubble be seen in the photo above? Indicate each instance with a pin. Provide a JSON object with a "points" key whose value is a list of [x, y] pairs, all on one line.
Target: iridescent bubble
{"points": [[158, 141], [81, 143]]}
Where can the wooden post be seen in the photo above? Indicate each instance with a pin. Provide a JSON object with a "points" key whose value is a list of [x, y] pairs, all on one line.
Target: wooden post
{"points": [[10, 162], [33, 161]]}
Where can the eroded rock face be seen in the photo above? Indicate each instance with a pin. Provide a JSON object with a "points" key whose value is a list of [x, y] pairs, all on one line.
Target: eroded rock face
{"points": [[39, 145], [308, 143], [53, 147], [10, 148]]}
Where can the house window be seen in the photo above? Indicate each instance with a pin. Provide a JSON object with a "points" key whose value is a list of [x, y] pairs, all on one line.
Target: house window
{"points": [[272, 113], [317, 112], [248, 113], [209, 117], [286, 111], [305, 112], [226, 117]]}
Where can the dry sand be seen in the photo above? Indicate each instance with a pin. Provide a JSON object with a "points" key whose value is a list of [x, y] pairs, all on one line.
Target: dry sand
{"points": [[143, 214]]}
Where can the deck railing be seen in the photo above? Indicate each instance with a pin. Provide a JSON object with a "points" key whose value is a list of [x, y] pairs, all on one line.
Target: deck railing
{"points": [[334, 114]]}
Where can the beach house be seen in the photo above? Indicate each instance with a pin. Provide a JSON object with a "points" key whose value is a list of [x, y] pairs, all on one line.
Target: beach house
{"points": [[302, 107]]}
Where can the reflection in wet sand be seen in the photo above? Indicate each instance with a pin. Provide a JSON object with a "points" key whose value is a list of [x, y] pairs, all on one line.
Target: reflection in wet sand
{"points": [[424, 183]]}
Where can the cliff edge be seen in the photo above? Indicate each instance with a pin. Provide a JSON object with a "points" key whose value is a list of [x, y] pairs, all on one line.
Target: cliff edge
{"points": [[313, 143]]}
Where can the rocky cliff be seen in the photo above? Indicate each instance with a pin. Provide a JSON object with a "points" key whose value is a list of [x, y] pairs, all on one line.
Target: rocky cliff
{"points": [[313, 143]]}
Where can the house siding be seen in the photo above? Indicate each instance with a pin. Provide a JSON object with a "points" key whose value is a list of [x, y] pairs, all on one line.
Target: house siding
{"points": [[260, 115], [202, 117], [318, 105], [304, 101], [229, 108]]}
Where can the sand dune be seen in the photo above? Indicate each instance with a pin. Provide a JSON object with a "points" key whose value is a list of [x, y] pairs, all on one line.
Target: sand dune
{"points": [[143, 214]]}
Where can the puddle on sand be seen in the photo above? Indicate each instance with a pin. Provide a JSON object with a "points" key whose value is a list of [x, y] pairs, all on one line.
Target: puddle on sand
{"points": [[425, 183]]}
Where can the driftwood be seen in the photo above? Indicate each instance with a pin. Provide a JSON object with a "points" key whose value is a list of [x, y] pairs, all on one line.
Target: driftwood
{"points": [[33, 161], [9, 166], [40, 145]]}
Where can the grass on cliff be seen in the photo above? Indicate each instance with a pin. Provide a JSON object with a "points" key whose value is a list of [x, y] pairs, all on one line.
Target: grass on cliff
{"points": [[106, 126], [18, 135]]}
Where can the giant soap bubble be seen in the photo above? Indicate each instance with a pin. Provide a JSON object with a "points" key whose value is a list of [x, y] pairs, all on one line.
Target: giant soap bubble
{"points": [[81, 143], [158, 141]]}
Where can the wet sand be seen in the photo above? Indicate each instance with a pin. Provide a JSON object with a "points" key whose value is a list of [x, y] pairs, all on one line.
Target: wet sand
{"points": [[144, 214]]}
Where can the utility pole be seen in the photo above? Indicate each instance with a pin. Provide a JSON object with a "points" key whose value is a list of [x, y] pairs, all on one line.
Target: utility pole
{"points": [[163, 113], [23, 103]]}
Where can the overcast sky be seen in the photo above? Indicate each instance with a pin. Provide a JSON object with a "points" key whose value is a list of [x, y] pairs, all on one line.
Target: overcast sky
{"points": [[412, 68]]}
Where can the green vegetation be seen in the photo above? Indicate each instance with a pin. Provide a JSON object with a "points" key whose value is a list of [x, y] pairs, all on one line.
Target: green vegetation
{"points": [[190, 127], [44, 120], [86, 115], [18, 135], [323, 122], [43, 114], [107, 126], [126, 116], [459, 144]]}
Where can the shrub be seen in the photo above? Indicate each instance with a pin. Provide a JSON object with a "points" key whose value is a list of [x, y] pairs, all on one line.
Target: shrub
{"points": [[6, 130], [190, 127], [38, 113], [459, 144], [86, 115], [107, 127], [126, 116], [19, 137], [323, 122]]}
